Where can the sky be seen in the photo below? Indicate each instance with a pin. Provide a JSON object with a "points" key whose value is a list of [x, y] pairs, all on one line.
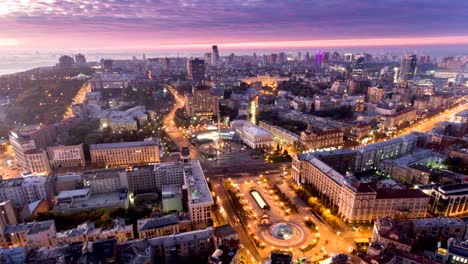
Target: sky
{"points": [[97, 25]]}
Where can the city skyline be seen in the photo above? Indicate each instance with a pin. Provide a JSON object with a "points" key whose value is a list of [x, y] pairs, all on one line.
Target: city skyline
{"points": [[161, 25]]}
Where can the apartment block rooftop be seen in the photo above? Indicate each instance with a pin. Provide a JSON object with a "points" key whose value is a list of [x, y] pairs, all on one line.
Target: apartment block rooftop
{"points": [[197, 184], [133, 144]]}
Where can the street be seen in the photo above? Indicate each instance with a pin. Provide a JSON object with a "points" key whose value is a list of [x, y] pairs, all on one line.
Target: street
{"points": [[175, 134]]}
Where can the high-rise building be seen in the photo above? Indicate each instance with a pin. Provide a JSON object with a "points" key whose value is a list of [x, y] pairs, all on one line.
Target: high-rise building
{"points": [[207, 57], [167, 64], [107, 64], [66, 62], [214, 56], [319, 59], [202, 102], [358, 63], [408, 67], [424, 59], [282, 58], [80, 59], [196, 70]]}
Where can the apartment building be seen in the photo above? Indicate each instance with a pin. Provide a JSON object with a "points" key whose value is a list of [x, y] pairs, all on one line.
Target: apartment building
{"points": [[66, 156], [30, 235], [391, 122], [202, 102], [142, 179], [157, 227], [88, 231], [37, 162], [105, 180], [315, 138], [125, 153], [180, 248]]}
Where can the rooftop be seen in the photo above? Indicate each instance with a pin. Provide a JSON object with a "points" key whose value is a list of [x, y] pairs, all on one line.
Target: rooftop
{"points": [[71, 193], [327, 170], [100, 200], [152, 223], [225, 231], [132, 144], [185, 237], [40, 227], [197, 185], [398, 140], [400, 194]]}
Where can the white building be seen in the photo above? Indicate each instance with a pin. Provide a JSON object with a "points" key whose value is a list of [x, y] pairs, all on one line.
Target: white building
{"points": [[129, 119], [252, 135]]}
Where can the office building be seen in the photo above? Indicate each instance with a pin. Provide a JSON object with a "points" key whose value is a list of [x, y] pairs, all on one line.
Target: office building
{"points": [[202, 103], [214, 55], [31, 138], [207, 57], [125, 153], [66, 156], [315, 137], [37, 162], [408, 67], [319, 59], [252, 135], [196, 70], [105, 180], [80, 59], [449, 200], [355, 202], [371, 155]]}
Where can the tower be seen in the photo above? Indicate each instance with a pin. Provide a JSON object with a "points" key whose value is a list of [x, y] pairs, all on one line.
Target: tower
{"points": [[214, 56], [319, 59], [196, 70], [407, 67]]}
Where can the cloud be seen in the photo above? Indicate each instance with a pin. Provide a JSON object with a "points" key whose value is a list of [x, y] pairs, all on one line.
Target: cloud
{"points": [[182, 21], [9, 42]]}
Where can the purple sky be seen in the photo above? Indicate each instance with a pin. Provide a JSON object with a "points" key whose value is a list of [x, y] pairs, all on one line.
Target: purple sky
{"points": [[153, 24]]}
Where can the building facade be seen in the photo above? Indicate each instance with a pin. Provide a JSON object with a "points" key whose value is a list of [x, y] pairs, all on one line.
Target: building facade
{"points": [[125, 153], [66, 156]]}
